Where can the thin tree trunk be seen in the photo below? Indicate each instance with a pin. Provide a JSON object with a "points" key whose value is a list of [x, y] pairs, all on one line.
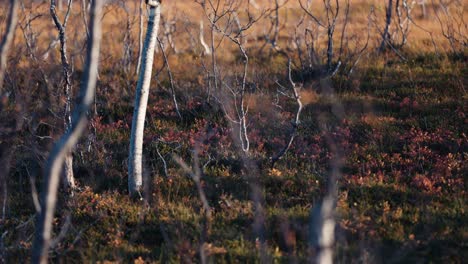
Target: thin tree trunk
{"points": [[140, 39], [206, 48], [7, 39], [83, 15], [135, 162], [423, 7], [68, 141], [388, 21], [295, 123], [254, 4], [276, 29], [214, 77], [171, 79], [68, 177]]}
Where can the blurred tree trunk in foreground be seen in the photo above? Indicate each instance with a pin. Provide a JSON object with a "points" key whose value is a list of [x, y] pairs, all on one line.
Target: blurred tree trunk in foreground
{"points": [[62, 147], [7, 39], [6, 134]]}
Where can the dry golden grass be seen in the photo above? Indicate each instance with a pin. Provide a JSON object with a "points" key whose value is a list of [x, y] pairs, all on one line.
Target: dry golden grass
{"points": [[425, 34], [309, 97]]}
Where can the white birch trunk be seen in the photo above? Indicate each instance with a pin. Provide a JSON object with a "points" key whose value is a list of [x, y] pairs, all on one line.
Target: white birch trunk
{"points": [[62, 147], [323, 230], [135, 162], [254, 4], [422, 3], [68, 175], [206, 48]]}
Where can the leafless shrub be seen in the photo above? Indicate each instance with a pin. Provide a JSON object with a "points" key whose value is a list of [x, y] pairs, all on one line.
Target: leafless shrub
{"points": [[332, 11], [232, 97], [196, 173], [31, 41], [171, 79], [386, 36], [214, 11], [295, 123], [272, 35], [169, 29], [451, 18], [234, 31], [127, 53]]}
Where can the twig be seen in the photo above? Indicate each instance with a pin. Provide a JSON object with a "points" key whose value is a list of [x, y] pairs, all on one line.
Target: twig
{"points": [[295, 123], [171, 80]]}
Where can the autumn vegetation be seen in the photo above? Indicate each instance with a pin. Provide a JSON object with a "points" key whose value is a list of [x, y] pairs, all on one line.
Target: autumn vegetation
{"points": [[245, 138]]}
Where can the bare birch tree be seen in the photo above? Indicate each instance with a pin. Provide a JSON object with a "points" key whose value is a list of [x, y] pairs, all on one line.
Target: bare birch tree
{"points": [[169, 28], [62, 147], [403, 16], [69, 180], [388, 21], [135, 162], [332, 11], [451, 17]]}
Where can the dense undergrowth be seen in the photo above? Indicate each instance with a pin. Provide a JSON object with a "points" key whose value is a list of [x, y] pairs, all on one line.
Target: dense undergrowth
{"points": [[398, 120], [402, 194]]}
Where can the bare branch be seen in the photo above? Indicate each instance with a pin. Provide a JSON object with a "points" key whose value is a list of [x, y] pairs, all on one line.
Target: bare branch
{"points": [[296, 121], [171, 80]]}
